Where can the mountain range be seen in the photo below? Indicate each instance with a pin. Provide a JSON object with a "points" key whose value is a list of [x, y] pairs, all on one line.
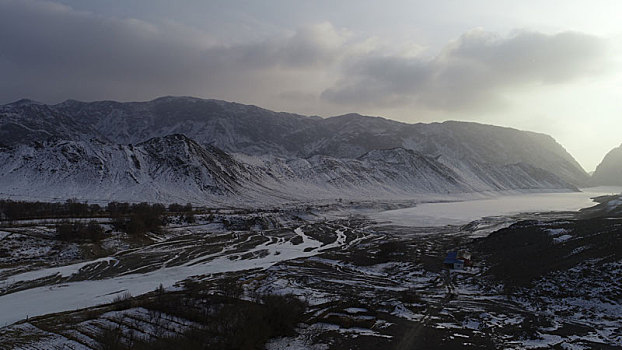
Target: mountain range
{"points": [[211, 151]]}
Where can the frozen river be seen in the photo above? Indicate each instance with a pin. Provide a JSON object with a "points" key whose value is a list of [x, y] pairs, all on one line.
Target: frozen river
{"points": [[463, 212]]}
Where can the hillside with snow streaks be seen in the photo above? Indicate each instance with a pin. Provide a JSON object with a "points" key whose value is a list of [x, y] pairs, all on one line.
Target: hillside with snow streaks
{"points": [[172, 167], [209, 151], [175, 168]]}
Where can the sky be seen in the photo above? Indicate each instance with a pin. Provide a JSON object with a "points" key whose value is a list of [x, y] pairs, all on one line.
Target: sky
{"points": [[547, 66]]}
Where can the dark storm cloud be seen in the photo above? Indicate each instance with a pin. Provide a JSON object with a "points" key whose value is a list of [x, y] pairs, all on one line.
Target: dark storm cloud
{"points": [[469, 72], [51, 52]]}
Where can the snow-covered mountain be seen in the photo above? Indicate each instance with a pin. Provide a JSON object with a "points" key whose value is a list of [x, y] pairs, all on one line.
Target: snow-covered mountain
{"points": [[189, 149], [609, 171], [172, 167]]}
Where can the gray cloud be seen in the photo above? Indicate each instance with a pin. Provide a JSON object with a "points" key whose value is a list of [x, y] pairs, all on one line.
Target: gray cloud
{"points": [[310, 46], [470, 72], [52, 52]]}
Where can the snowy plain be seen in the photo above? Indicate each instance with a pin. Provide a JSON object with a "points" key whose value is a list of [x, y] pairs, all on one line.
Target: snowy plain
{"points": [[80, 294], [463, 212]]}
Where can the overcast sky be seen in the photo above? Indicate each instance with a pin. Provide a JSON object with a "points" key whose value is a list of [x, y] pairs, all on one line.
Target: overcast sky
{"points": [[546, 66]]}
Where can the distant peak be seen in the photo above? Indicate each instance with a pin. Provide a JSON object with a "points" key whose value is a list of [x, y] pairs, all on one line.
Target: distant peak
{"points": [[176, 98], [362, 118], [71, 101], [25, 102], [349, 115]]}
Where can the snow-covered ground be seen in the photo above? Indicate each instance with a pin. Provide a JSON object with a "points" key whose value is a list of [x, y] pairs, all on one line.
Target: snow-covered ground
{"points": [[463, 212], [80, 294], [357, 278], [362, 284]]}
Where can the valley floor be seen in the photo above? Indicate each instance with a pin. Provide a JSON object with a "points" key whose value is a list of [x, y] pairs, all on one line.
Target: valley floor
{"points": [[305, 279]]}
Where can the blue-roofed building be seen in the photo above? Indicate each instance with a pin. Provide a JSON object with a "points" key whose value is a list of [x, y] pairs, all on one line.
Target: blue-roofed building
{"points": [[453, 261]]}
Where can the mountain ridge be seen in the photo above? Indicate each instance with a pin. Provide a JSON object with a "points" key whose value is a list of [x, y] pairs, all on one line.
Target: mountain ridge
{"points": [[251, 152]]}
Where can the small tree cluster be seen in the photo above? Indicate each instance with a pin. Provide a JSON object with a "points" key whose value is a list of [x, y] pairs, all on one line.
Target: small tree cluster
{"points": [[136, 219], [22, 210], [178, 208], [79, 231], [186, 212], [225, 323]]}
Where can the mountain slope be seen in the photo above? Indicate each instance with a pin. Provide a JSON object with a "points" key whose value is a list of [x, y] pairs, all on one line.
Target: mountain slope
{"points": [[609, 171], [175, 168], [26, 121], [462, 144], [182, 148], [252, 130], [172, 167]]}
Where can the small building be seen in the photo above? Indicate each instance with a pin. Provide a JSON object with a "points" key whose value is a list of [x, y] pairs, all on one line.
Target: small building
{"points": [[451, 261], [457, 260], [465, 256]]}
